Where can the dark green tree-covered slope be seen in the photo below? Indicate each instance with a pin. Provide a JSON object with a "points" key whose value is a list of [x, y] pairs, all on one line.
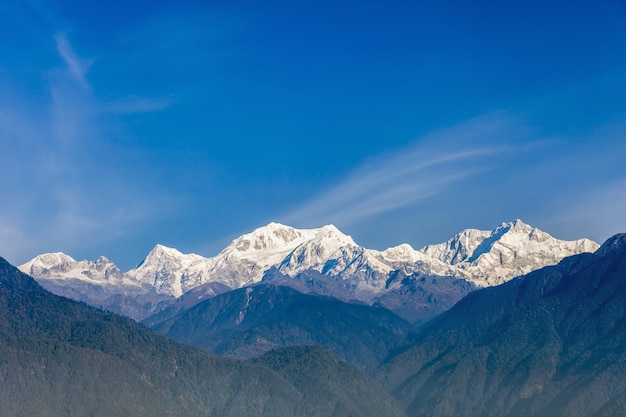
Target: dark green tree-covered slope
{"points": [[304, 366], [247, 322], [552, 343], [63, 358]]}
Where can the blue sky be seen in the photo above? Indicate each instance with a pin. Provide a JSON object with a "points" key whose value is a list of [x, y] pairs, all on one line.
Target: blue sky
{"points": [[126, 124]]}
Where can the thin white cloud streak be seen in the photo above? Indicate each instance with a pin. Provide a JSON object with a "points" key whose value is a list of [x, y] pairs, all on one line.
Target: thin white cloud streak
{"points": [[134, 104], [77, 67], [429, 167]]}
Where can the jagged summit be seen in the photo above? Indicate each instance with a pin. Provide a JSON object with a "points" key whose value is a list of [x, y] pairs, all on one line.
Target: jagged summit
{"points": [[242, 262], [162, 249], [271, 236], [163, 269], [276, 238], [59, 266], [58, 260], [469, 244], [517, 225], [512, 249], [248, 257], [457, 249], [162, 253]]}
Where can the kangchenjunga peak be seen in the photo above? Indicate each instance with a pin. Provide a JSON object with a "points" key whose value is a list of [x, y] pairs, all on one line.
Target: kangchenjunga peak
{"points": [[510, 250]]}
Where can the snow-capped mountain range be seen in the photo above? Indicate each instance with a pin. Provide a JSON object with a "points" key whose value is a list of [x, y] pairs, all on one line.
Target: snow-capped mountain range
{"points": [[60, 266], [484, 258]]}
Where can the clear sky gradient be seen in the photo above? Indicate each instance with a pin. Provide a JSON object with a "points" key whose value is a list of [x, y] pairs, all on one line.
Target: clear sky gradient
{"points": [[127, 124]]}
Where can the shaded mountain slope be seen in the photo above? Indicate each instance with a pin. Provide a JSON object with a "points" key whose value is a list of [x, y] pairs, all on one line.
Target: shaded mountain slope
{"points": [[63, 358], [416, 298], [552, 343], [130, 302], [247, 322], [419, 298]]}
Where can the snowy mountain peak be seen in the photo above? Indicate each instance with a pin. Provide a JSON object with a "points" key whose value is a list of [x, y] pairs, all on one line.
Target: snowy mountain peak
{"points": [[61, 267], [163, 251], [247, 258], [273, 236], [517, 226], [511, 249], [57, 260], [457, 249], [270, 244], [324, 245], [160, 255], [163, 269], [403, 252], [330, 232], [514, 249], [103, 264]]}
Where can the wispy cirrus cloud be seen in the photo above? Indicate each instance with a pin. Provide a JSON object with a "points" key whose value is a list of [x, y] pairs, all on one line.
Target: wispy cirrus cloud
{"points": [[77, 67], [432, 165], [493, 167], [134, 104]]}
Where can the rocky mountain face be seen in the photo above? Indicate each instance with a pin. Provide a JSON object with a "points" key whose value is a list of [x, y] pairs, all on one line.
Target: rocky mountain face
{"points": [[483, 258], [63, 358], [551, 343]]}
